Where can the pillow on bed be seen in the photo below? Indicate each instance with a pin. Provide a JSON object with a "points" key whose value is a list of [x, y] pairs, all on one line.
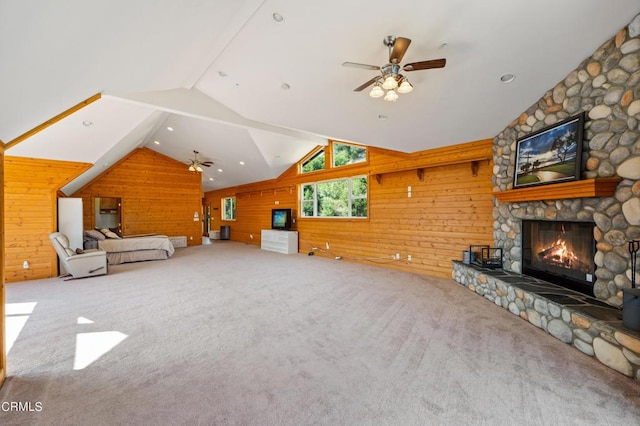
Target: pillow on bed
{"points": [[94, 234], [109, 234], [116, 231]]}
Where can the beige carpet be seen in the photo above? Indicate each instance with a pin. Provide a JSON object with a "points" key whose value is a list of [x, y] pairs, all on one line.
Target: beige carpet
{"points": [[229, 334]]}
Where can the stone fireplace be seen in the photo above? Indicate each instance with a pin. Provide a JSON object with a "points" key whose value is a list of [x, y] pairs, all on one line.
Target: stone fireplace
{"points": [[560, 252], [606, 200], [607, 87]]}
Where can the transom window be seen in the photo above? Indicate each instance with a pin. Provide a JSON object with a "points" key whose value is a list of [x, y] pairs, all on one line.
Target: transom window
{"points": [[313, 163], [346, 154], [335, 198]]}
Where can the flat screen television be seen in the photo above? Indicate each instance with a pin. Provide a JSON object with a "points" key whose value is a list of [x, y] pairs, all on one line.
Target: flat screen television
{"points": [[281, 219]]}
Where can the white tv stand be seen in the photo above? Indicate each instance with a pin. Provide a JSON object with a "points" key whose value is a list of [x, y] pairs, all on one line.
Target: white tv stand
{"points": [[285, 242]]}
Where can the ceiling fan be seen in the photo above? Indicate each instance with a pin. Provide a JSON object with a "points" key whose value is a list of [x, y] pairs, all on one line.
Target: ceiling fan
{"points": [[390, 78], [195, 164]]}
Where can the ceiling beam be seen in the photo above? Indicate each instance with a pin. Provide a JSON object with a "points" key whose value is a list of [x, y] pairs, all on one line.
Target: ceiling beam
{"points": [[195, 104]]}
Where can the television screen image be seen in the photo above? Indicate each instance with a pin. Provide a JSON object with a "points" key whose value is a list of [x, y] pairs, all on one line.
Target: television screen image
{"points": [[281, 219]]}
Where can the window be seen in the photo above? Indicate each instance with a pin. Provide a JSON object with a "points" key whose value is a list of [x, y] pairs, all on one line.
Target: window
{"points": [[229, 208], [345, 154], [335, 198], [313, 163]]}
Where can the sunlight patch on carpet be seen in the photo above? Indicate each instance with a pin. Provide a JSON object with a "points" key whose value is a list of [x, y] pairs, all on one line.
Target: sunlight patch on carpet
{"points": [[17, 315], [91, 346]]}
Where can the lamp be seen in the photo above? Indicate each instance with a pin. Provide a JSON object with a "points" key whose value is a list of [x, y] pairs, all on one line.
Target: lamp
{"points": [[391, 96], [376, 91], [390, 83], [405, 86]]}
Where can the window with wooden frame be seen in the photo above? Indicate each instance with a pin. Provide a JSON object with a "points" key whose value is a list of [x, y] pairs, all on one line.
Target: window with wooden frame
{"points": [[229, 208], [316, 161], [344, 154], [335, 198]]}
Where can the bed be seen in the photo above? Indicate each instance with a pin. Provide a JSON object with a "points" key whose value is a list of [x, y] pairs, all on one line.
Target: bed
{"points": [[130, 249]]}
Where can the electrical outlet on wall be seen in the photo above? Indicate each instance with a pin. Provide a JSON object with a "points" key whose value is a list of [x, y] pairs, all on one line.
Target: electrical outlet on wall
{"points": [[327, 245], [25, 264], [408, 258]]}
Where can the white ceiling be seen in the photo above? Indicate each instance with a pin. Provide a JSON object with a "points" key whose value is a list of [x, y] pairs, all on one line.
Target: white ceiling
{"points": [[158, 63]]}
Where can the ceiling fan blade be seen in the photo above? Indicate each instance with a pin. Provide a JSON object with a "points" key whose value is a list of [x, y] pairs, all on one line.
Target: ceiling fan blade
{"points": [[399, 49], [367, 84], [207, 163], [425, 65], [362, 66]]}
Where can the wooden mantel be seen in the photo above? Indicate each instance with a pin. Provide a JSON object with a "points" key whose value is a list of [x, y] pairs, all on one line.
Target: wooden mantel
{"points": [[599, 187]]}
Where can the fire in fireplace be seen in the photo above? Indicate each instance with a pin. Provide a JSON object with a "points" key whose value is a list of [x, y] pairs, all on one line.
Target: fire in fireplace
{"points": [[560, 252]]}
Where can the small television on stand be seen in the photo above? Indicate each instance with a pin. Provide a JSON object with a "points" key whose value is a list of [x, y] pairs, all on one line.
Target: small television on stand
{"points": [[281, 219]]}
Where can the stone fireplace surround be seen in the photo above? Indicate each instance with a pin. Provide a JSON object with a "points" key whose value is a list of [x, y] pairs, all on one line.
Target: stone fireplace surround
{"points": [[607, 87]]}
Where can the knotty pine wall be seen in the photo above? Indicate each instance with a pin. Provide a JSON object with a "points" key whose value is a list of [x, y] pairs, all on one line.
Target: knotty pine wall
{"points": [[30, 206], [158, 195], [450, 208], [3, 339]]}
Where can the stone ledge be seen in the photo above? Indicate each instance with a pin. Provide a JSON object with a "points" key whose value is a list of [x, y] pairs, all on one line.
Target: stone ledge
{"points": [[589, 325]]}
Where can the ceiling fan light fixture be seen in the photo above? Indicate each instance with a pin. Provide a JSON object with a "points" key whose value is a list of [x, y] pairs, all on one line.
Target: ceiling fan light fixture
{"points": [[198, 168], [405, 87], [390, 83], [391, 96], [376, 91], [192, 168]]}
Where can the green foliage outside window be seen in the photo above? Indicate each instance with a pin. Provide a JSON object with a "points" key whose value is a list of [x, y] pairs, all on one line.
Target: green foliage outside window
{"points": [[314, 163], [335, 198], [229, 208], [344, 154]]}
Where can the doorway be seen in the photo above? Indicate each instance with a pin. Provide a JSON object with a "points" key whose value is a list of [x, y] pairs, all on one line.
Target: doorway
{"points": [[108, 213]]}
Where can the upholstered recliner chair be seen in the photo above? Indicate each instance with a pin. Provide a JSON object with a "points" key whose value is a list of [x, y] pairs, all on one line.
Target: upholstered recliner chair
{"points": [[85, 264]]}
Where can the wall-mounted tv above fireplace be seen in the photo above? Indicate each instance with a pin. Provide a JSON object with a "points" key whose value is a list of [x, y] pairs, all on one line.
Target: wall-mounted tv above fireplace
{"points": [[561, 252], [281, 219]]}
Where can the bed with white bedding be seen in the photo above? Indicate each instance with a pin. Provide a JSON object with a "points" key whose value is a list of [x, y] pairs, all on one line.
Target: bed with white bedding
{"points": [[133, 249], [137, 249]]}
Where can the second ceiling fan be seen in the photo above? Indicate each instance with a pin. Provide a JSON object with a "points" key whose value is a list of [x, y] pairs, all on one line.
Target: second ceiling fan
{"points": [[390, 78], [195, 164]]}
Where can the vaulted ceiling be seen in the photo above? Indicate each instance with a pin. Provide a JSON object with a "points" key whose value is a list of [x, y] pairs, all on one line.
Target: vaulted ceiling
{"points": [[238, 86]]}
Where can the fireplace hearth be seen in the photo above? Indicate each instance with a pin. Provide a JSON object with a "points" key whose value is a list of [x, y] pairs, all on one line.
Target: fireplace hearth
{"points": [[561, 252]]}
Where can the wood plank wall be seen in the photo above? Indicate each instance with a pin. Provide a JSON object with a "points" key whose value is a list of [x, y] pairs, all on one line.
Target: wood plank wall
{"points": [[3, 339], [450, 208], [30, 205], [158, 195]]}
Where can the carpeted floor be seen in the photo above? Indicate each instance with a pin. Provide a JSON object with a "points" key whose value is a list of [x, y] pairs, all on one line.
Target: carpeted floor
{"points": [[229, 334]]}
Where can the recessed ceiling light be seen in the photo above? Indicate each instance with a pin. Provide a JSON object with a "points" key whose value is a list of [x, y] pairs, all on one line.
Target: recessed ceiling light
{"points": [[382, 117], [220, 170], [211, 179], [156, 142], [222, 73], [285, 86], [87, 123], [169, 128], [277, 17], [507, 78], [242, 163]]}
